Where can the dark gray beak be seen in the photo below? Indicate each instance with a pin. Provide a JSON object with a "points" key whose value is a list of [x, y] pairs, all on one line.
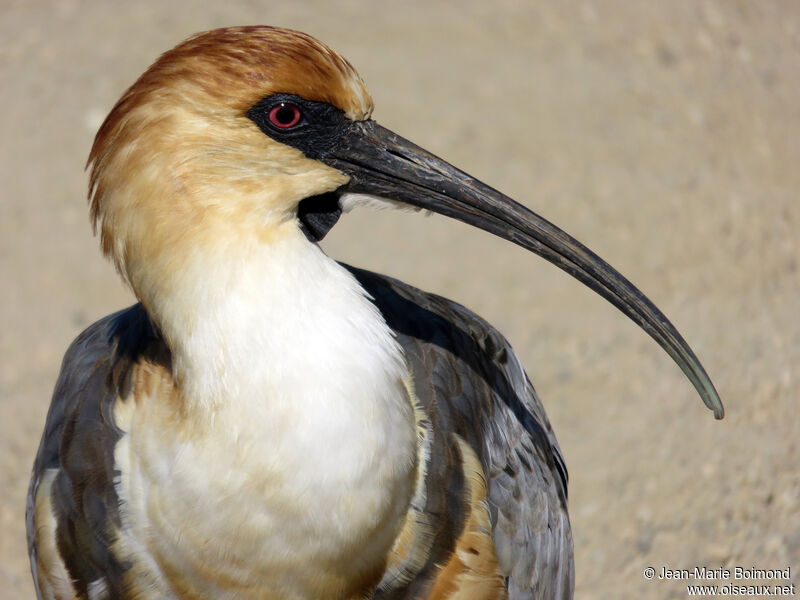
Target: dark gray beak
{"points": [[381, 163]]}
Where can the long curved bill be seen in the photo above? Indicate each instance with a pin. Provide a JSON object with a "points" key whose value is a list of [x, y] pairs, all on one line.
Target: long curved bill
{"points": [[381, 163]]}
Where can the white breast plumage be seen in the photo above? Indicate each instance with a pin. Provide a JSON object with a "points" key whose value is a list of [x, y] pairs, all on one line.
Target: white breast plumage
{"points": [[307, 463]]}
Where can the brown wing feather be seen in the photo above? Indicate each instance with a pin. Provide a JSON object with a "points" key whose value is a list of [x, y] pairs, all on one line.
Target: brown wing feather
{"points": [[469, 381]]}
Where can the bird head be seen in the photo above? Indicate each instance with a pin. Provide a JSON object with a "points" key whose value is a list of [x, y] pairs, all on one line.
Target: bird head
{"points": [[241, 136], [179, 160]]}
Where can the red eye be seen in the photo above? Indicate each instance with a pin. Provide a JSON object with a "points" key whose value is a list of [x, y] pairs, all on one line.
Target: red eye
{"points": [[284, 115]]}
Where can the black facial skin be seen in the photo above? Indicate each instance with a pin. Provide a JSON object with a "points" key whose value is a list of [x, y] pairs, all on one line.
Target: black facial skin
{"points": [[316, 134], [381, 163], [318, 215]]}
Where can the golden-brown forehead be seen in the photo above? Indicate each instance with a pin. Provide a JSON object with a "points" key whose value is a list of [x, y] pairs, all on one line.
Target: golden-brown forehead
{"points": [[238, 66]]}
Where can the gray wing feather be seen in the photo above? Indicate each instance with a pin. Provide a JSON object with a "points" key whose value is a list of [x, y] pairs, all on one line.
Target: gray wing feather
{"points": [[467, 375], [78, 442]]}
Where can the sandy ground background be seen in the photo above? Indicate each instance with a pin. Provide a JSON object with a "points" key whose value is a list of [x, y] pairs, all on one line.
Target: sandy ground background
{"points": [[665, 135]]}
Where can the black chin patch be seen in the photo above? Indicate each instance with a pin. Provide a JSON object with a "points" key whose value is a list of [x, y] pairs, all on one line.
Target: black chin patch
{"points": [[318, 214]]}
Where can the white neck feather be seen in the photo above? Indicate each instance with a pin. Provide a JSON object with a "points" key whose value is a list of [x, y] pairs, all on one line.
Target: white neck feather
{"points": [[280, 317], [289, 372]]}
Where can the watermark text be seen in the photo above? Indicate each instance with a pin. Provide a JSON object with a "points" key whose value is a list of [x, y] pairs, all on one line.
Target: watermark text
{"points": [[727, 581]]}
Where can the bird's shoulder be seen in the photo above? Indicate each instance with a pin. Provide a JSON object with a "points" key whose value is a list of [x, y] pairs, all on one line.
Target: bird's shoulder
{"points": [[473, 387]]}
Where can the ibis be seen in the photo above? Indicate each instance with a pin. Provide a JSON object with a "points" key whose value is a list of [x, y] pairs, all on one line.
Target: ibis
{"points": [[267, 422]]}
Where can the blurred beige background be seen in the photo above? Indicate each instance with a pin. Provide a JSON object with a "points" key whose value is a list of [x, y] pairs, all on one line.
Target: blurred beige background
{"points": [[665, 135]]}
